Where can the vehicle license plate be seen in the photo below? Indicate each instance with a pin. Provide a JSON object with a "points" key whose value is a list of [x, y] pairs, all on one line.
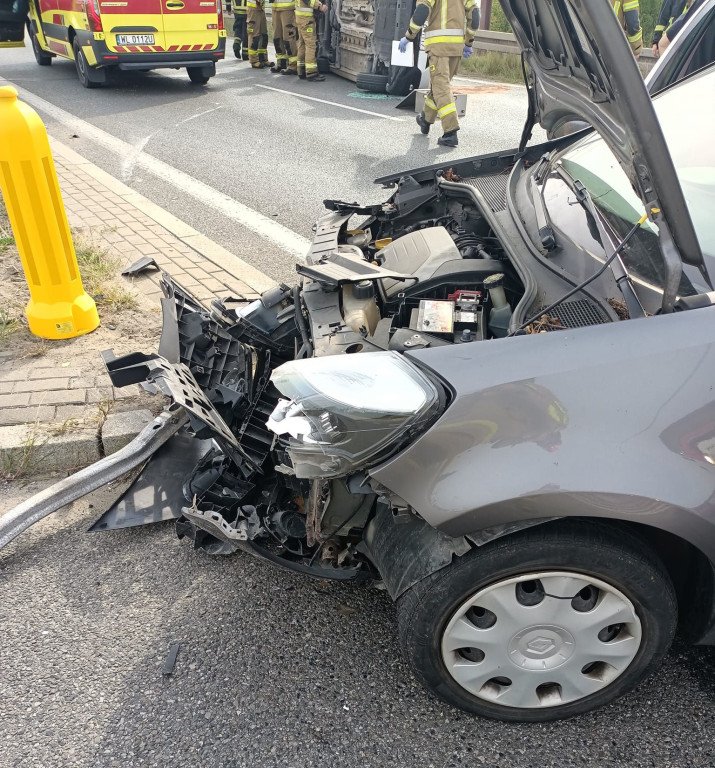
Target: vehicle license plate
{"points": [[135, 39]]}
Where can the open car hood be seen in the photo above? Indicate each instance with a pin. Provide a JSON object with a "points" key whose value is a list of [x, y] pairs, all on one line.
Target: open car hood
{"points": [[580, 67]]}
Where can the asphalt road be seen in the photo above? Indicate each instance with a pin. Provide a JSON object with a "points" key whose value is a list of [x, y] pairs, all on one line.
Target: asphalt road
{"points": [[251, 136], [273, 670]]}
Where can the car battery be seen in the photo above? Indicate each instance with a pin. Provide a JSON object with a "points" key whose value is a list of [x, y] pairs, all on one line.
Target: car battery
{"points": [[459, 319]]}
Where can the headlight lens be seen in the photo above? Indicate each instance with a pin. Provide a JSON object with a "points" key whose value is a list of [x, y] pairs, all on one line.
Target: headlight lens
{"points": [[345, 411]]}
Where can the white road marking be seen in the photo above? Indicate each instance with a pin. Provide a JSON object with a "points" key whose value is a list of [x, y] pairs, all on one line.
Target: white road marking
{"points": [[332, 103], [200, 114], [265, 227]]}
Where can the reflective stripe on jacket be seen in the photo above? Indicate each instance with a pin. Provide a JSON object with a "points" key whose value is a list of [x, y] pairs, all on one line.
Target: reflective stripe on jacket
{"points": [[448, 27], [239, 6], [628, 13], [306, 7]]}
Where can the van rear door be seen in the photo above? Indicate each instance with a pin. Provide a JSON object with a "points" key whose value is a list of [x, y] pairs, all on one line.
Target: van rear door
{"points": [[191, 25], [133, 26]]}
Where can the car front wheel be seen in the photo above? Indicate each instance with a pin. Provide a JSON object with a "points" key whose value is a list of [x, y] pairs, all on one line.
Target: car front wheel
{"points": [[543, 625]]}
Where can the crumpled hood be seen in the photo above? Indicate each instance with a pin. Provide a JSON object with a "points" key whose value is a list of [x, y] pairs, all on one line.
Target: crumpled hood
{"points": [[580, 66]]}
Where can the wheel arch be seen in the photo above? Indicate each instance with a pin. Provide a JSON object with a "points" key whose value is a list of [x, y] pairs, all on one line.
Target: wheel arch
{"points": [[405, 550]]}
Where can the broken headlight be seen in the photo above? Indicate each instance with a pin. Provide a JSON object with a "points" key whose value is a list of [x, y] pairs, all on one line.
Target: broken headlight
{"points": [[344, 412]]}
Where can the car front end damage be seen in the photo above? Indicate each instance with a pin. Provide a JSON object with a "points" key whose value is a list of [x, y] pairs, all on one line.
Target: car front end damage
{"points": [[298, 394]]}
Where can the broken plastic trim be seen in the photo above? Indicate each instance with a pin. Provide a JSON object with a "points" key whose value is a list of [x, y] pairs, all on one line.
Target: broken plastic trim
{"points": [[42, 504]]}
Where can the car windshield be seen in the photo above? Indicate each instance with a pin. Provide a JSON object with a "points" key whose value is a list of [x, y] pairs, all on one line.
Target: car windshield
{"points": [[686, 114]]}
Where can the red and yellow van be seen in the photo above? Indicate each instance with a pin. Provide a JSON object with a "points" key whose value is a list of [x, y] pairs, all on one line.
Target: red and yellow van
{"points": [[129, 34]]}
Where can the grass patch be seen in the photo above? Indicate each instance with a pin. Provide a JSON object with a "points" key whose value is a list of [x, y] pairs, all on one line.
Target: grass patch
{"points": [[16, 463], [493, 65], [8, 324], [99, 270]]}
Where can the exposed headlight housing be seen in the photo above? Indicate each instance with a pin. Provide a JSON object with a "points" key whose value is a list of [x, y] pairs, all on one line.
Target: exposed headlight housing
{"points": [[345, 412]]}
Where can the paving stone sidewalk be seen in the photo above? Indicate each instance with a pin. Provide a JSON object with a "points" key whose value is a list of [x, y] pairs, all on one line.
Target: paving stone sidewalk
{"points": [[111, 216]]}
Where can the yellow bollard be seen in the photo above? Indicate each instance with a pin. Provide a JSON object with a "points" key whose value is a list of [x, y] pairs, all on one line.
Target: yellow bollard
{"points": [[58, 307]]}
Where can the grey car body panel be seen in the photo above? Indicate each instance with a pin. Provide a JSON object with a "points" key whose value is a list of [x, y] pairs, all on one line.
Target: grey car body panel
{"points": [[613, 421], [581, 66]]}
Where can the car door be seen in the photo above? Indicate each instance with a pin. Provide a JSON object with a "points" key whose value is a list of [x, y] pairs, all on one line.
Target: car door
{"points": [[12, 23]]}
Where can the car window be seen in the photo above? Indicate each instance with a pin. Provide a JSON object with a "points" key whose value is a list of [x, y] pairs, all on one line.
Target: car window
{"points": [[694, 50], [686, 113]]}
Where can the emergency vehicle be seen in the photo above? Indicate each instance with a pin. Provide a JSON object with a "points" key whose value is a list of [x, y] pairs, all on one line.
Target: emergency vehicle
{"points": [[129, 35]]}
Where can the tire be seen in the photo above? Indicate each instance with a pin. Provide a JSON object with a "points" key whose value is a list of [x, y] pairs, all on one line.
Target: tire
{"points": [[533, 668], [324, 65], [366, 81], [197, 76], [82, 66], [42, 58]]}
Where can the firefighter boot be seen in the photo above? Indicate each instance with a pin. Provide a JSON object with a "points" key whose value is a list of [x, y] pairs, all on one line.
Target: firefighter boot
{"points": [[279, 66], [423, 124], [449, 139]]}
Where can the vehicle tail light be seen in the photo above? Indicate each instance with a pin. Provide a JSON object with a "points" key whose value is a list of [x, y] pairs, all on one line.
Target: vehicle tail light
{"points": [[219, 10], [95, 22]]}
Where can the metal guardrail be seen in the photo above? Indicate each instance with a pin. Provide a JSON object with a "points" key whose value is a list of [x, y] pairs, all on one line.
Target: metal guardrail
{"points": [[505, 42]]}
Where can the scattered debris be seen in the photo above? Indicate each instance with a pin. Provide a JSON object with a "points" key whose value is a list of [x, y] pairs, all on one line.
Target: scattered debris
{"points": [[140, 265], [544, 324], [620, 308], [346, 610], [450, 175], [170, 662]]}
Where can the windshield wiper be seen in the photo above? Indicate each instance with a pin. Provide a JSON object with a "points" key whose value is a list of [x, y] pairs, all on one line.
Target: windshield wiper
{"points": [[618, 268]]}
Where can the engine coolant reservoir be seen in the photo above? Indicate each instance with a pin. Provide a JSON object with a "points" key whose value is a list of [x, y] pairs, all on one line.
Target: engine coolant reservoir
{"points": [[360, 308]]}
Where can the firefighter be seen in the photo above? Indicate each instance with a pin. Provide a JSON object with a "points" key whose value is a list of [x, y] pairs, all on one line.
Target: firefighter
{"points": [[669, 11], [257, 31], [446, 41], [308, 38], [628, 13], [284, 37], [240, 37]]}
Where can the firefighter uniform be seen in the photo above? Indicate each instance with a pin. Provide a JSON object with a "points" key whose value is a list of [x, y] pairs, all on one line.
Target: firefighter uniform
{"points": [[240, 37], [628, 13], [285, 36], [307, 39], [257, 30], [669, 11], [451, 26]]}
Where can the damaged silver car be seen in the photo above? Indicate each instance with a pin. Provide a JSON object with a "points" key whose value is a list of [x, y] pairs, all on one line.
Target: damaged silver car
{"points": [[492, 392]]}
